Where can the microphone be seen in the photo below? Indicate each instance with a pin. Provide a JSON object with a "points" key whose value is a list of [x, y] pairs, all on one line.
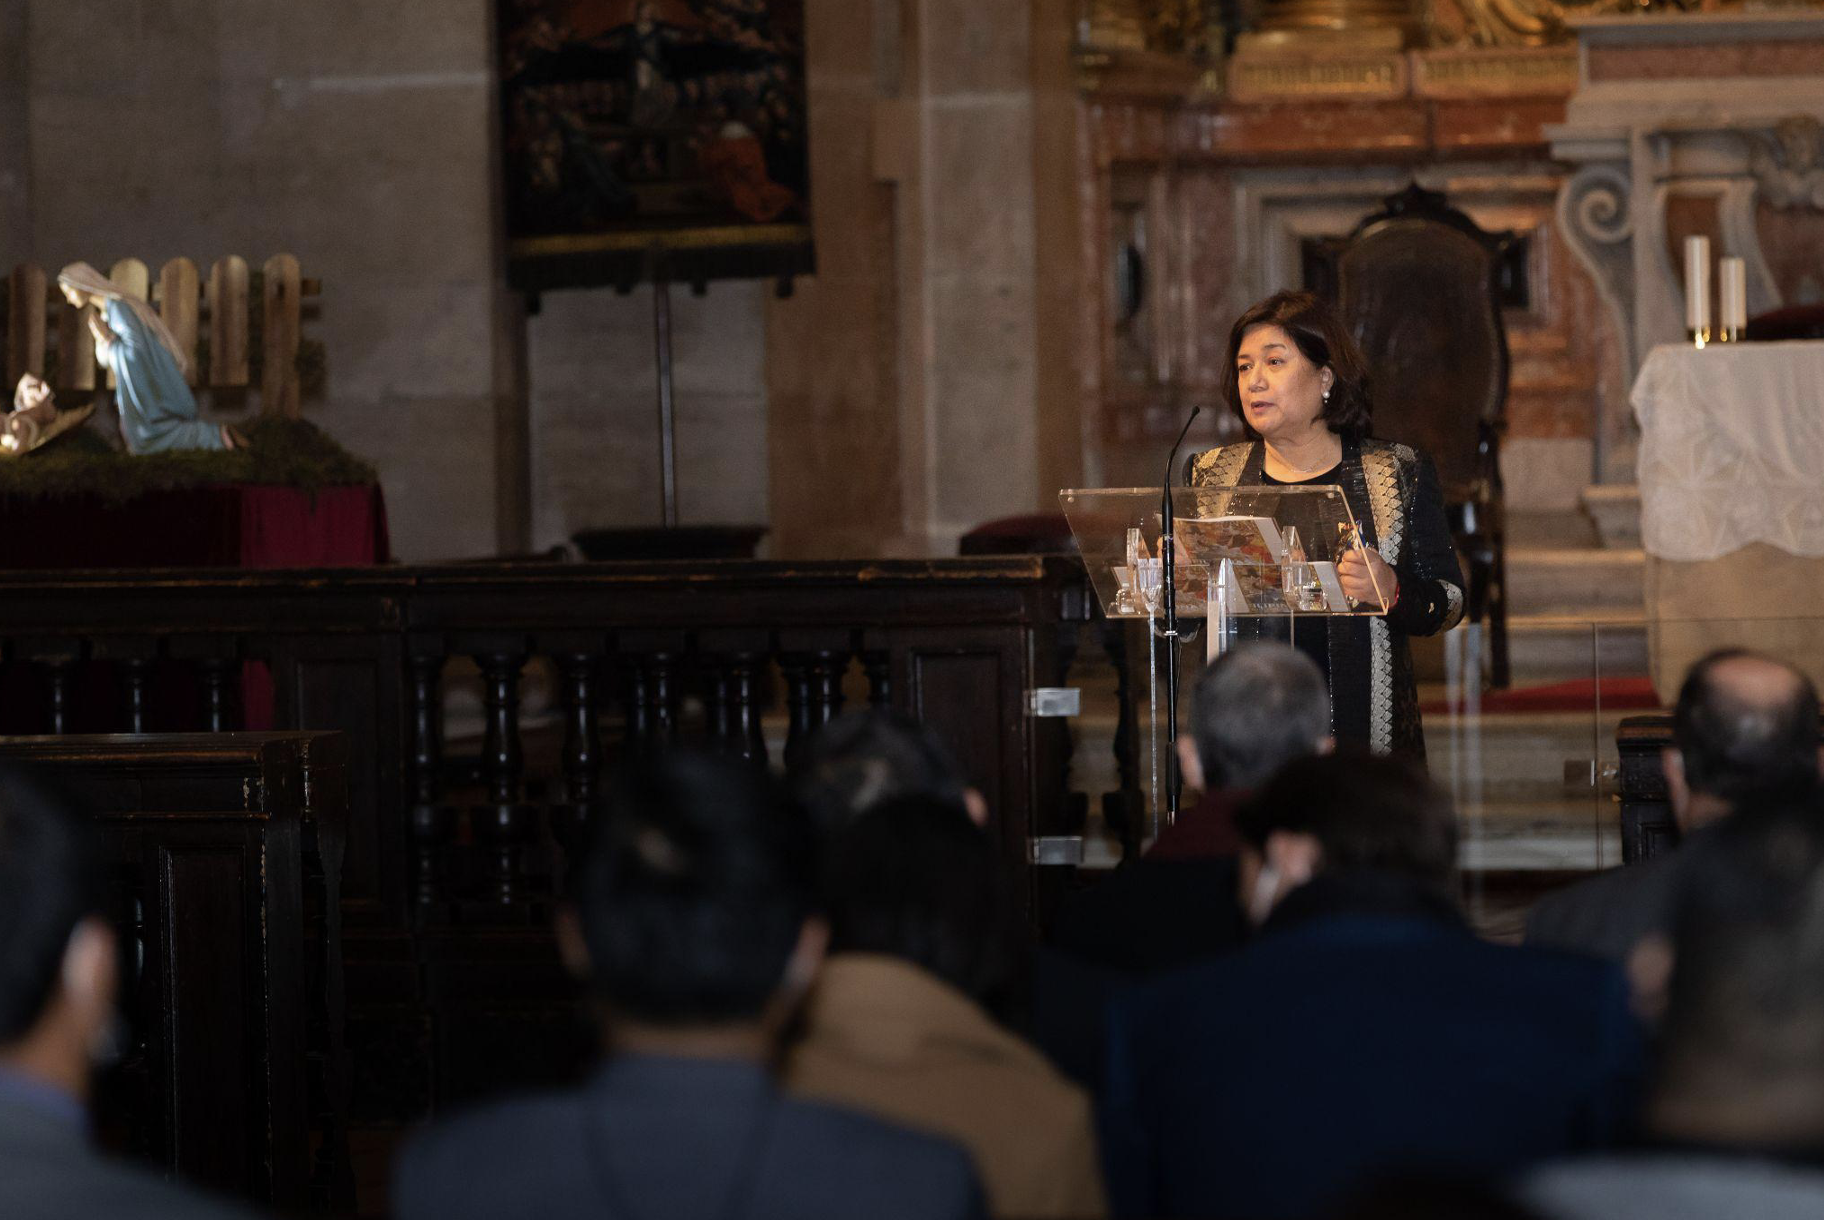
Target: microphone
{"points": [[1172, 457], [1168, 581]]}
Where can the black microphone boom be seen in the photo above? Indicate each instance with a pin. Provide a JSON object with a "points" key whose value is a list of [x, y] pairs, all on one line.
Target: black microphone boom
{"points": [[1168, 582]]}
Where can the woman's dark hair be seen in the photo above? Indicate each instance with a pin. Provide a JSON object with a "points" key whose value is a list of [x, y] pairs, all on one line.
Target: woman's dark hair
{"points": [[693, 888], [916, 879], [1320, 335], [1366, 813]]}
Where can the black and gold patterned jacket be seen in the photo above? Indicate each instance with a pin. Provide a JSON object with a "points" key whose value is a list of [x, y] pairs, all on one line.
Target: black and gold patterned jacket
{"points": [[1393, 492]]}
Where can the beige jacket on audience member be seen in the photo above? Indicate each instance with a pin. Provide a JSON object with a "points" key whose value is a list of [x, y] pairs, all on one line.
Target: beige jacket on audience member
{"points": [[883, 1036]]}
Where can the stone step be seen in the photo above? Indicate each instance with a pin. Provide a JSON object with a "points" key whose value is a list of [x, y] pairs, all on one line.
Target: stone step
{"points": [[1546, 648], [1519, 756], [1549, 527], [1615, 508], [1572, 580]]}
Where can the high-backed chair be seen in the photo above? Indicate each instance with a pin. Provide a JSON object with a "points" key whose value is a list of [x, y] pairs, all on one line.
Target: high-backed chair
{"points": [[1419, 283]]}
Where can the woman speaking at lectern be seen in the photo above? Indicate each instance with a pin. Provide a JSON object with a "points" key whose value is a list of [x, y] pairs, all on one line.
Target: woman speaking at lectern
{"points": [[1300, 389]]}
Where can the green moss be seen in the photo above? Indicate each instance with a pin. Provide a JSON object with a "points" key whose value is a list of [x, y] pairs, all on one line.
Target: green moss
{"points": [[284, 452]]}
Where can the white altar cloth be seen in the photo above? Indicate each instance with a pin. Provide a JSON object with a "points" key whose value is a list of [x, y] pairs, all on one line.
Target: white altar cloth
{"points": [[1732, 503], [1731, 449]]}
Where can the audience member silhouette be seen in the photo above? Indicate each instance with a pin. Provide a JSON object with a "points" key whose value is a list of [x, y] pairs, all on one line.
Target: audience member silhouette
{"points": [[921, 922], [1735, 1111], [1366, 1030], [1254, 709], [58, 982], [862, 759], [696, 923], [1746, 733]]}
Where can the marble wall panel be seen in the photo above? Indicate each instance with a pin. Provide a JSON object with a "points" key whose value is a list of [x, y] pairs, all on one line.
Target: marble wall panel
{"points": [[981, 212], [974, 48]]}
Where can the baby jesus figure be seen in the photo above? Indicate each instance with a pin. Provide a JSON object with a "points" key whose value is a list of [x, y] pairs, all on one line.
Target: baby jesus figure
{"points": [[33, 410]]}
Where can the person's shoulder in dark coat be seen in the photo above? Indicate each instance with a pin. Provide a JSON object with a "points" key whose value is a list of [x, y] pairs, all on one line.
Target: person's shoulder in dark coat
{"points": [[48, 1171], [571, 1155], [1609, 914], [1266, 1083]]}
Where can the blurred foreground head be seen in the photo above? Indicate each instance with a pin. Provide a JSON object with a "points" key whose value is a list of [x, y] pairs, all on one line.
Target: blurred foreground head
{"points": [[863, 759], [1742, 1052], [1746, 728], [917, 879], [1255, 708], [1342, 815], [696, 895], [57, 954]]}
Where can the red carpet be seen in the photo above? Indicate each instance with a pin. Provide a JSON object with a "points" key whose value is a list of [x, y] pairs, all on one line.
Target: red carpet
{"points": [[1617, 695]]}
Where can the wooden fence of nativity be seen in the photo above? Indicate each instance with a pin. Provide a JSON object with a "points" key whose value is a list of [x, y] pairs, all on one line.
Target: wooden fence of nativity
{"points": [[216, 319]]}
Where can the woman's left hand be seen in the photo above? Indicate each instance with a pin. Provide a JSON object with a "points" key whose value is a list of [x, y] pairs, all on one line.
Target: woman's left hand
{"points": [[1360, 570]]}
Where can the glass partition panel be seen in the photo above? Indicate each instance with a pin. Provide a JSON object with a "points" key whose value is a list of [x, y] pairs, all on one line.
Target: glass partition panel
{"points": [[1536, 770]]}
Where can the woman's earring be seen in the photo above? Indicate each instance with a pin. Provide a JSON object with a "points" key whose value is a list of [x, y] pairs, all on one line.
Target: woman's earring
{"points": [[1326, 393]]}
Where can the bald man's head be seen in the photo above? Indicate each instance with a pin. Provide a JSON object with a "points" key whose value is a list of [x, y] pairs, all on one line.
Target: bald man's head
{"points": [[1747, 729]]}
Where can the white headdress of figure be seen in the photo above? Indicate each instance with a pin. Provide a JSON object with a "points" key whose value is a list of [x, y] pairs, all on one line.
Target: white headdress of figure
{"points": [[84, 278]]}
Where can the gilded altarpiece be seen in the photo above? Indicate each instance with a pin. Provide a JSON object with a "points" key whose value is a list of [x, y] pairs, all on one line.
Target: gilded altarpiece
{"points": [[1199, 189]]}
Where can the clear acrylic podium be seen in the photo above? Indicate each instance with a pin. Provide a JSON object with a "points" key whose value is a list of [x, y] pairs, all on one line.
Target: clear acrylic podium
{"points": [[1239, 552]]}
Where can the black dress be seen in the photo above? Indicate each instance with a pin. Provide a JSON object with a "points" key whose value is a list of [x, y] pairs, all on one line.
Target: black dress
{"points": [[1393, 493]]}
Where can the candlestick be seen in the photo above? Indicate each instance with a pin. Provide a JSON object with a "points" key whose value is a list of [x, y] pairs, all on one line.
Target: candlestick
{"points": [[1697, 289], [1732, 302]]}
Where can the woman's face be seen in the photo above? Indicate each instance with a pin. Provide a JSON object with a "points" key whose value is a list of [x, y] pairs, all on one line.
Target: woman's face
{"points": [[75, 298], [1282, 392]]}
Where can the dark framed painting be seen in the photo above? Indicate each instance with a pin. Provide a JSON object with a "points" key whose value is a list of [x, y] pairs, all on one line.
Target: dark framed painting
{"points": [[647, 139]]}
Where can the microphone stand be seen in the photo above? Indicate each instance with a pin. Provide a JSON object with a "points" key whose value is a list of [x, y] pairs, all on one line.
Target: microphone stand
{"points": [[1168, 575]]}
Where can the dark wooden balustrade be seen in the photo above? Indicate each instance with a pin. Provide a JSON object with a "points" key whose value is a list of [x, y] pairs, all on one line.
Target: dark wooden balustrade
{"points": [[224, 854], [454, 863]]}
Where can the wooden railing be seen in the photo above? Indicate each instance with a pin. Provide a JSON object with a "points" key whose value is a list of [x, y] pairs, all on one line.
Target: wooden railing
{"points": [[216, 319], [453, 863]]}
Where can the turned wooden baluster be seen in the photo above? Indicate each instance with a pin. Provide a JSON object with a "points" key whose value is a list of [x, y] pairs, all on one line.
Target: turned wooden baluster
{"points": [[582, 754], [735, 661], [1123, 809], [503, 827], [134, 674], [218, 669], [879, 668], [218, 674], [813, 668], [650, 662], [432, 826], [578, 667], [58, 659], [57, 675]]}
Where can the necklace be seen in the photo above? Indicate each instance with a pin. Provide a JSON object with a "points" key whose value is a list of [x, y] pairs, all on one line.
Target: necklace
{"points": [[1322, 466]]}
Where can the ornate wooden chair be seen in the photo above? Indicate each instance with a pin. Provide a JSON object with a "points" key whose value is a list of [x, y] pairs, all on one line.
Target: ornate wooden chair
{"points": [[1420, 285]]}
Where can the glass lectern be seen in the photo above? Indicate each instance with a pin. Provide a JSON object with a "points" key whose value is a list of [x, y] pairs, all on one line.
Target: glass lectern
{"points": [[1238, 552]]}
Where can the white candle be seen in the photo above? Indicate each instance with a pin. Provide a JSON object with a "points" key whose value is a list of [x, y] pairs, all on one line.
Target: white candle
{"points": [[1732, 296], [1697, 286]]}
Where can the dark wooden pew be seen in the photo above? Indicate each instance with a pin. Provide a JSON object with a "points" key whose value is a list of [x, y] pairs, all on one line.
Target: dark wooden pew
{"points": [[225, 855]]}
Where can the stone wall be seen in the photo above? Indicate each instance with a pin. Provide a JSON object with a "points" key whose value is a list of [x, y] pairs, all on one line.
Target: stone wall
{"points": [[358, 135], [594, 395]]}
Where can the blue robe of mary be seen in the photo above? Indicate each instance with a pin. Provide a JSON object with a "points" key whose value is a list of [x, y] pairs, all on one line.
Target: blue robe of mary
{"points": [[157, 410]]}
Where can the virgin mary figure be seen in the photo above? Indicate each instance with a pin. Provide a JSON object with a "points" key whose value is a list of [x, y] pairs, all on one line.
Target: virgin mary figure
{"points": [[158, 412]]}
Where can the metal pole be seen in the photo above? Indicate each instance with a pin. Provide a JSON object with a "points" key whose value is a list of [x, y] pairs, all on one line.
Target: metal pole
{"points": [[668, 448]]}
